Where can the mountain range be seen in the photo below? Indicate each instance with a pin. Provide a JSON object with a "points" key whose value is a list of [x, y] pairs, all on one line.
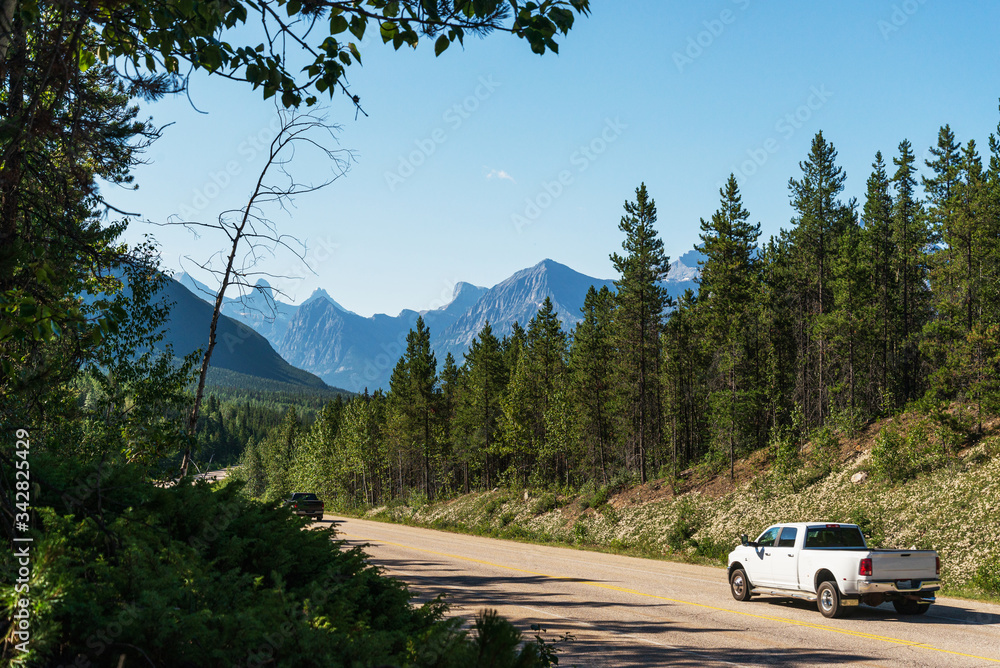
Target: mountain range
{"points": [[241, 351], [354, 352]]}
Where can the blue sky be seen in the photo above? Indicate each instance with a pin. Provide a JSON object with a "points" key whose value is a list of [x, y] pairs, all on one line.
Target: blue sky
{"points": [[487, 160]]}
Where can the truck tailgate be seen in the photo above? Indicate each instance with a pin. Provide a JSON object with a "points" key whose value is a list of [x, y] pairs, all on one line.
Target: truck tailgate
{"points": [[904, 564]]}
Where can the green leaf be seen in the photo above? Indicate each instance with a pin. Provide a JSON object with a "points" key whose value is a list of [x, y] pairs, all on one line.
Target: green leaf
{"points": [[440, 45], [358, 24], [338, 24]]}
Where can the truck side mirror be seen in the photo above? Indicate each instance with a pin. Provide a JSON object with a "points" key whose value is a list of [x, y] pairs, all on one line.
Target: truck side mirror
{"points": [[743, 540]]}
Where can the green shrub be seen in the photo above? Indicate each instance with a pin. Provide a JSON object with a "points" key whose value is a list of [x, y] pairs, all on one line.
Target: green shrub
{"points": [[896, 459], [987, 577], [714, 550], [888, 459], [685, 524], [547, 502], [201, 575]]}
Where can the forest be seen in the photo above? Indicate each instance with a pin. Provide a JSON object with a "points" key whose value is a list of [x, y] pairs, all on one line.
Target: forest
{"points": [[113, 553], [857, 311]]}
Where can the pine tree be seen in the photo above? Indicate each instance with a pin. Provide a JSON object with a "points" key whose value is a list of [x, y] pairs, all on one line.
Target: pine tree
{"points": [[880, 252], [728, 284], [685, 395], [591, 369], [911, 237], [820, 223], [944, 334], [640, 302], [414, 404], [546, 356], [478, 412]]}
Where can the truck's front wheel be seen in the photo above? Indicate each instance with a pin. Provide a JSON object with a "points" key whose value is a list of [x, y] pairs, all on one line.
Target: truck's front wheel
{"points": [[739, 584], [828, 600]]}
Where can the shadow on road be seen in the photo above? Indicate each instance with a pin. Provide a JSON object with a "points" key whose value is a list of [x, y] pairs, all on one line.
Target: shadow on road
{"points": [[940, 613], [598, 640]]}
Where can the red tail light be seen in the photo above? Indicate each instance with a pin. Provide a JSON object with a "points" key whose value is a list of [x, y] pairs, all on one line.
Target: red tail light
{"points": [[937, 565], [865, 568]]}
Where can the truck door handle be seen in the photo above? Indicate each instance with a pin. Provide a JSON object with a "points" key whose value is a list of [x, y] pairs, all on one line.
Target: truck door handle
{"points": [[767, 554], [791, 555]]}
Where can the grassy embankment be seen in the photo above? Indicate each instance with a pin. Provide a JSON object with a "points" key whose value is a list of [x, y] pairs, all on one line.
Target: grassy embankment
{"points": [[909, 482]]}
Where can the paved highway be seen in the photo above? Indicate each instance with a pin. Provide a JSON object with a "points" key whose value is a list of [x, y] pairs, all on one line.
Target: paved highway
{"points": [[624, 611]]}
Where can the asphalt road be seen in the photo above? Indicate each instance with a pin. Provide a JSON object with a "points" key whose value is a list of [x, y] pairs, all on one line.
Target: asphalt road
{"points": [[624, 611]]}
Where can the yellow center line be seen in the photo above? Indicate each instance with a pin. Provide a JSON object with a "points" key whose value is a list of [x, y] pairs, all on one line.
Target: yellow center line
{"points": [[625, 590]]}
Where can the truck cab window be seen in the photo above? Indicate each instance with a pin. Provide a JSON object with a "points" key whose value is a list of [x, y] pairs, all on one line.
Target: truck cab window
{"points": [[787, 537], [768, 537]]}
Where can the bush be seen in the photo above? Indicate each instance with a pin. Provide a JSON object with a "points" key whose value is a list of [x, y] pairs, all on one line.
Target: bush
{"points": [[712, 549], [896, 459], [685, 524], [888, 460], [987, 577], [196, 575], [545, 503]]}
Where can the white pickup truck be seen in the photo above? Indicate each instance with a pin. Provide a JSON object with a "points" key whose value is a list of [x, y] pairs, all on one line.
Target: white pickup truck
{"points": [[830, 563]]}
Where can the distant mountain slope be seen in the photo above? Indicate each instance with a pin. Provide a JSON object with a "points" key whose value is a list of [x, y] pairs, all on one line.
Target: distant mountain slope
{"points": [[353, 352], [518, 298], [344, 348], [239, 348], [259, 308]]}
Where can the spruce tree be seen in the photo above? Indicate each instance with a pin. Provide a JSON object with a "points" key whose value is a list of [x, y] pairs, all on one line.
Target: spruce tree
{"points": [[478, 411], [547, 370], [640, 303], [685, 392], [911, 237], [818, 227], [728, 284], [879, 255], [414, 404], [591, 371]]}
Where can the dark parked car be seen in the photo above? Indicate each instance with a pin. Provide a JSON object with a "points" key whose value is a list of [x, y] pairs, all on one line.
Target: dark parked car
{"points": [[306, 503]]}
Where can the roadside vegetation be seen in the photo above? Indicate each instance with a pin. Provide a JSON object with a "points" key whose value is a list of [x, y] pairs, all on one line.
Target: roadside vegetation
{"points": [[921, 494]]}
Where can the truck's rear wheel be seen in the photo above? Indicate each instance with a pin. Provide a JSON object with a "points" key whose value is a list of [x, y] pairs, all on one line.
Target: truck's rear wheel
{"points": [[908, 606], [828, 600], [739, 585]]}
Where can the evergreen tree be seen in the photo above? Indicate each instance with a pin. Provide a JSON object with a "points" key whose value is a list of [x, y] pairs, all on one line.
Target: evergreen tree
{"points": [[880, 253], [685, 389], [640, 302], [729, 281], [591, 368], [478, 412], [539, 370], [848, 326], [911, 237], [944, 334], [414, 404], [546, 356], [820, 223]]}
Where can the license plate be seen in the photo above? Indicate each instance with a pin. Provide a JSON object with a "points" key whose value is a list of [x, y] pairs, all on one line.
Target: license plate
{"points": [[904, 584]]}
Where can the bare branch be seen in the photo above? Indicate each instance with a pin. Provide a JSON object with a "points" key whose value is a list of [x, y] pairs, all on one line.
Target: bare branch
{"points": [[250, 226]]}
